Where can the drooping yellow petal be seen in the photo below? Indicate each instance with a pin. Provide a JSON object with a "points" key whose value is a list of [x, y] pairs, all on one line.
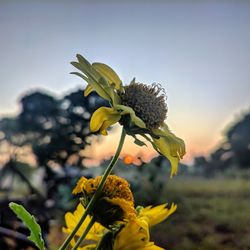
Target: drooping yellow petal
{"points": [[157, 214], [109, 74], [106, 124], [134, 235], [164, 149], [177, 145], [103, 118], [135, 119], [172, 147]]}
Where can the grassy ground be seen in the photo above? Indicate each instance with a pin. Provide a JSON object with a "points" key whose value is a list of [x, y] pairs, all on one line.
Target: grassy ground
{"points": [[211, 215]]}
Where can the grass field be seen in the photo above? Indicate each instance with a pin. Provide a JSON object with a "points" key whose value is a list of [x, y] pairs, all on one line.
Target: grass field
{"points": [[212, 214]]}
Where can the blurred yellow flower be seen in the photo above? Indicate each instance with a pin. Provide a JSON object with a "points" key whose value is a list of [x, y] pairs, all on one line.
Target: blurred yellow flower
{"points": [[141, 109], [134, 233]]}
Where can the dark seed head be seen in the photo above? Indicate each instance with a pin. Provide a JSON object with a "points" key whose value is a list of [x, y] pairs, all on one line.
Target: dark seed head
{"points": [[148, 102], [107, 213]]}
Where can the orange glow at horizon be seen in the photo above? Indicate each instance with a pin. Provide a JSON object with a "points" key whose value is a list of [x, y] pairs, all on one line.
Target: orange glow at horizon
{"points": [[104, 148]]}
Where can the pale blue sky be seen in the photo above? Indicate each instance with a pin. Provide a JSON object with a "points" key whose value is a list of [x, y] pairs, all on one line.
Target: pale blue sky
{"points": [[198, 50]]}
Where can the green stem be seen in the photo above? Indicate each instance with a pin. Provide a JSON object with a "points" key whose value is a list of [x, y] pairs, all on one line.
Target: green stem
{"points": [[104, 242], [80, 240], [98, 191]]}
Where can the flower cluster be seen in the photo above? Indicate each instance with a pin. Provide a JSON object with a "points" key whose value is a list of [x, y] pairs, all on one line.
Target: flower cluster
{"points": [[106, 215], [115, 202], [129, 230], [140, 108]]}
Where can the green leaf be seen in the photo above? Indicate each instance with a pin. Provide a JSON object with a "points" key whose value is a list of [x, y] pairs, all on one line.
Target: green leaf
{"points": [[30, 222], [139, 142], [106, 242], [152, 142]]}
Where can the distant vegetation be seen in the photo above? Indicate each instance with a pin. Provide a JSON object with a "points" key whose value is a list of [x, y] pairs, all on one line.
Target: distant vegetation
{"points": [[213, 210], [57, 130], [232, 155]]}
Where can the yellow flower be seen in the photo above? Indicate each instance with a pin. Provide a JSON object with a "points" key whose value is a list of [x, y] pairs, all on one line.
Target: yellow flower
{"points": [[88, 247], [80, 186], [134, 233], [71, 219], [141, 109], [157, 214], [116, 201]]}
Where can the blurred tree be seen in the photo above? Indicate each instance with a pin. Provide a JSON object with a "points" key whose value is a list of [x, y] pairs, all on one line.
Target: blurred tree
{"points": [[57, 129], [238, 137], [233, 153]]}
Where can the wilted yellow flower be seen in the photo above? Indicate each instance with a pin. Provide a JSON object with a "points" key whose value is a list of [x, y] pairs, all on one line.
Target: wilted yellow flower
{"points": [[141, 109], [134, 233], [115, 203]]}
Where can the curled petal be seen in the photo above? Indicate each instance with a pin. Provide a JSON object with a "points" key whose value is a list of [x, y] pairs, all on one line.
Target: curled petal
{"points": [[88, 90], [103, 118], [165, 147], [135, 119], [177, 145], [172, 147], [109, 74]]}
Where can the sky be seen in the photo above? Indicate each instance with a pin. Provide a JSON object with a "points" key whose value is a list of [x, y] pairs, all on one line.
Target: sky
{"points": [[198, 50]]}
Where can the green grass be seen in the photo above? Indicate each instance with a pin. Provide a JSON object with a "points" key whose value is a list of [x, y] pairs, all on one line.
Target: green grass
{"points": [[212, 215]]}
